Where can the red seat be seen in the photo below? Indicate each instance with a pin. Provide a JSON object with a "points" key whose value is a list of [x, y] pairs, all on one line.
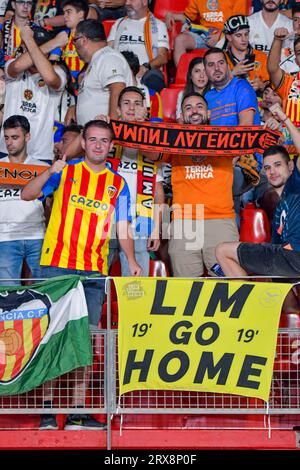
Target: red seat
{"points": [[162, 7], [183, 65], [255, 227], [107, 26], [169, 100]]}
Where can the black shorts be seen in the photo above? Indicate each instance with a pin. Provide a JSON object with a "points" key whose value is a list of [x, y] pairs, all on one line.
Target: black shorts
{"points": [[266, 259]]}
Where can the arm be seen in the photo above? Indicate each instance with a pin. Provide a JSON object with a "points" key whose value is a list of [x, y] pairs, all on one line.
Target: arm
{"points": [[246, 117], [171, 18], [114, 89], [160, 59], [53, 21], [110, 3], [44, 67], [126, 242], [280, 115], [25, 61], [153, 241], [275, 72], [33, 189]]}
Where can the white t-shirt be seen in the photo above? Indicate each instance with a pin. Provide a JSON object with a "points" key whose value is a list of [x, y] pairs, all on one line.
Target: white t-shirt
{"points": [[106, 67], [29, 96], [3, 5], [20, 220], [261, 37], [128, 169], [128, 35]]}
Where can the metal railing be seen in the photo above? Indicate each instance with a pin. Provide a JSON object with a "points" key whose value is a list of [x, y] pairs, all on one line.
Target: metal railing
{"points": [[98, 387]]}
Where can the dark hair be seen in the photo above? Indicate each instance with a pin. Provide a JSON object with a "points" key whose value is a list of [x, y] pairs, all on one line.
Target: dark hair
{"points": [[192, 93], [100, 124], [213, 50], [79, 5], [129, 89], [296, 42], [17, 121], [133, 61], [274, 149], [91, 29], [72, 128], [189, 87], [295, 9]]}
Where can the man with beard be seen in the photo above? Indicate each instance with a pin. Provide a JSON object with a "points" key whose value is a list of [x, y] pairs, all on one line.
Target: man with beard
{"points": [[232, 102], [143, 34], [203, 213], [262, 26]]}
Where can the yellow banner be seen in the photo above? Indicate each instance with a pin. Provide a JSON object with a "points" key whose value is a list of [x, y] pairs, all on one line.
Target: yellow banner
{"points": [[198, 335]]}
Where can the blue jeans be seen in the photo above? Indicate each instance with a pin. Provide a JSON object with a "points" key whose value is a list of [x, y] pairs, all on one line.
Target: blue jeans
{"points": [[13, 254], [141, 255], [94, 289]]}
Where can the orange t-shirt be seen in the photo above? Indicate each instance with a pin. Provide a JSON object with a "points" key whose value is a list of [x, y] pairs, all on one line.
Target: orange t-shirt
{"points": [[289, 92], [202, 180], [214, 13], [260, 66]]}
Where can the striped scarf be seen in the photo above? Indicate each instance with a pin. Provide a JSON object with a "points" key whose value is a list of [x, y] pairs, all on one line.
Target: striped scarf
{"points": [[146, 177], [11, 40], [292, 101]]}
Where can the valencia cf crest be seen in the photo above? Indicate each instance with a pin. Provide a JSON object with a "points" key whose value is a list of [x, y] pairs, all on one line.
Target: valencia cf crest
{"points": [[24, 320], [212, 5], [111, 191], [28, 95]]}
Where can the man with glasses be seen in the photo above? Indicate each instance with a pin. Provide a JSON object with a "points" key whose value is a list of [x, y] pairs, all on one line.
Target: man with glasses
{"points": [[105, 76], [11, 42]]}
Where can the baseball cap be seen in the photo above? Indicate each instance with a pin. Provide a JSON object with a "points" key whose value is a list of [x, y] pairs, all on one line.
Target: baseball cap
{"points": [[236, 23]]}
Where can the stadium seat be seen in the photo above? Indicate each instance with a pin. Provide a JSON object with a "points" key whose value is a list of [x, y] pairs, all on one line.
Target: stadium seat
{"points": [[169, 100], [107, 26], [255, 227], [183, 66], [162, 7], [158, 268]]}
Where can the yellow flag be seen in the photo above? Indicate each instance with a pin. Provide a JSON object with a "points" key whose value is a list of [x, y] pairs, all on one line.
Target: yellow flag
{"points": [[198, 335]]}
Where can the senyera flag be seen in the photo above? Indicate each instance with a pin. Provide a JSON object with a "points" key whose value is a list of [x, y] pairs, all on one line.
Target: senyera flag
{"points": [[44, 333]]}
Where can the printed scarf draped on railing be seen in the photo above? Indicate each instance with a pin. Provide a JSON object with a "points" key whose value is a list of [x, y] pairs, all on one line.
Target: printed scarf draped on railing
{"points": [[194, 140]]}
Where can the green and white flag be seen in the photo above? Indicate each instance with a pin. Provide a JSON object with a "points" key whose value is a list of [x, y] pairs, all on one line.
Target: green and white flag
{"points": [[44, 333]]}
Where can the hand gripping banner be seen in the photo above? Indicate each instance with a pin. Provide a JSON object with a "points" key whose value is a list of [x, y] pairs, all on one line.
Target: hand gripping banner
{"points": [[194, 140]]}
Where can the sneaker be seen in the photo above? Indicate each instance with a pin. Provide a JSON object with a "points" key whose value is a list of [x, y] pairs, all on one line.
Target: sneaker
{"points": [[77, 422], [48, 422]]}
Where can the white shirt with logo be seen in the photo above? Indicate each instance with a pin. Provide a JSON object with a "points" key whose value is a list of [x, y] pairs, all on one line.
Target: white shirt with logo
{"points": [[20, 220], [106, 67], [128, 35], [29, 96], [261, 37]]}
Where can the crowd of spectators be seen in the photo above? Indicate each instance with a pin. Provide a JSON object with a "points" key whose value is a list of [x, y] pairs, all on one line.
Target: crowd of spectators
{"points": [[60, 69]]}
